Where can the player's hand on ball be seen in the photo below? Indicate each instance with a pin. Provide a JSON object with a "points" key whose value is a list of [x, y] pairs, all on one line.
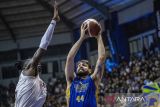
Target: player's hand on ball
{"points": [[84, 28]]}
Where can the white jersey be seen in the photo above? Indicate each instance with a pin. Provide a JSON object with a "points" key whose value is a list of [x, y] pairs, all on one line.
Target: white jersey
{"points": [[30, 92]]}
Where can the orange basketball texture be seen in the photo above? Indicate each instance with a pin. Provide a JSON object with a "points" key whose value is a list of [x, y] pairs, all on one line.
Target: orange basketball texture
{"points": [[93, 27]]}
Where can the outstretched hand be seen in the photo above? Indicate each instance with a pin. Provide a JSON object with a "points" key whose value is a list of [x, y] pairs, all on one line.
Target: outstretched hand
{"points": [[84, 28], [56, 14]]}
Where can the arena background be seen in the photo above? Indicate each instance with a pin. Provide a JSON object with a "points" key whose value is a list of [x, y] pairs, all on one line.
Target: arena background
{"points": [[131, 31]]}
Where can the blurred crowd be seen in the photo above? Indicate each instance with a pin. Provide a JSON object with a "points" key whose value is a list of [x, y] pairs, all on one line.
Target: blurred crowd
{"points": [[56, 92], [130, 77], [7, 95], [125, 78]]}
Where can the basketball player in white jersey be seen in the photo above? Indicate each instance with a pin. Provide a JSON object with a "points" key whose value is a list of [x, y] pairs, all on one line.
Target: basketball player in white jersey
{"points": [[31, 90]]}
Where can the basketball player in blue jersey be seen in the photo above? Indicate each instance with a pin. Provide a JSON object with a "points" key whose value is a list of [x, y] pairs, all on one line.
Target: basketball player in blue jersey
{"points": [[31, 90], [83, 83]]}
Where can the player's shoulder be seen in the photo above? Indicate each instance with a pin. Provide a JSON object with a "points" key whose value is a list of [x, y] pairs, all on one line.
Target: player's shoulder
{"points": [[89, 78], [23, 76]]}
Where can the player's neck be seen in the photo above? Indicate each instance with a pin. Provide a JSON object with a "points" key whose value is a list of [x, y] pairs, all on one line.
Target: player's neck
{"points": [[83, 77]]}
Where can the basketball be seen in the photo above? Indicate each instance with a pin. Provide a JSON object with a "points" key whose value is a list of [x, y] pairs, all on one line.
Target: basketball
{"points": [[93, 27]]}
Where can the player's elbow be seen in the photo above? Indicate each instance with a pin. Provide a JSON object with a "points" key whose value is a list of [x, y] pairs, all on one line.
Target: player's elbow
{"points": [[102, 57], [69, 58]]}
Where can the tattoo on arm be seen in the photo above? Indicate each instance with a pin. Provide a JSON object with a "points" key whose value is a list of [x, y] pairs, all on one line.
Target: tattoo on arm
{"points": [[99, 72], [99, 68], [37, 56], [31, 69]]}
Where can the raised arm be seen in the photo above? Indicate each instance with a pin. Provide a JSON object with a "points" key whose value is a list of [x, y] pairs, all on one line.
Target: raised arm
{"points": [[31, 68], [99, 68], [69, 68]]}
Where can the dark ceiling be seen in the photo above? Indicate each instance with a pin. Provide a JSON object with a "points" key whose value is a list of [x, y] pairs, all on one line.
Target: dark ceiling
{"points": [[30, 18]]}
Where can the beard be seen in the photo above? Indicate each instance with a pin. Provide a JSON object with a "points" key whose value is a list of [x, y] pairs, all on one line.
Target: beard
{"points": [[82, 73]]}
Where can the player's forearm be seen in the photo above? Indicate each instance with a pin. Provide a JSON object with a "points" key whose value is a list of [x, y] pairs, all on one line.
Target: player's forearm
{"points": [[46, 39], [101, 58], [75, 49], [101, 49]]}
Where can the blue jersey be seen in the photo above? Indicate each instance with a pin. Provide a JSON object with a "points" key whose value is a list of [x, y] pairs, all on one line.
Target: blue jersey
{"points": [[82, 93]]}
